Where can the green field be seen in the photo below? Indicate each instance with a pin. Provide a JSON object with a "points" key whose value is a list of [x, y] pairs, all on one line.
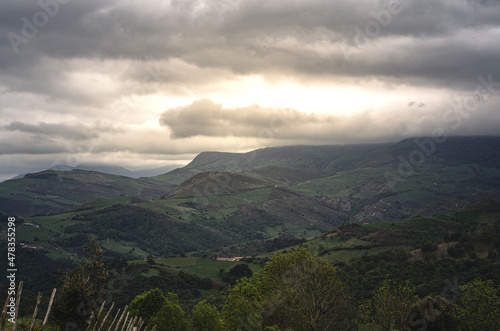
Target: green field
{"points": [[203, 267]]}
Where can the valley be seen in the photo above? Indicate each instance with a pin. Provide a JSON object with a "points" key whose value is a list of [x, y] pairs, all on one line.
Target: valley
{"points": [[176, 231]]}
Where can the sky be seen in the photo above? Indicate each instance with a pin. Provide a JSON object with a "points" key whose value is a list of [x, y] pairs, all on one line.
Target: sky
{"points": [[145, 84]]}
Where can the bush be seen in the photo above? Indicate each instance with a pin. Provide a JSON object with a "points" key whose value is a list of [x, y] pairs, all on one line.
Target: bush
{"points": [[206, 317], [83, 290], [429, 247]]}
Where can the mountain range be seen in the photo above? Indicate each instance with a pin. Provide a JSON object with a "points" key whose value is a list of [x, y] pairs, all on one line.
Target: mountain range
{"points": [[113, 170], [221, 199]]}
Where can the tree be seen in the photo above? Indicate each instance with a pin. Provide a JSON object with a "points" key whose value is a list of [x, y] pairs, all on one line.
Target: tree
{"points": [[156, 309], [433, 314], [150, 260], [429, 247], [170, 317], [306, 293], [83, 290], [294, 290], [237, 272], [147, 304], [479, 306], [206, 317], [243, 308], [390, 306]]}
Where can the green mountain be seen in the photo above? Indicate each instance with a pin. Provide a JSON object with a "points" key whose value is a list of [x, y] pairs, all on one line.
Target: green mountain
{"points": [[59, 191], [329, 158], [411, 175], [55, 191], [322, 159], [301, 191]]}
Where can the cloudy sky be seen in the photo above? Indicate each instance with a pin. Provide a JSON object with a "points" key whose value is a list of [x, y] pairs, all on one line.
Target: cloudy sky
{"points": [[151, 83]]}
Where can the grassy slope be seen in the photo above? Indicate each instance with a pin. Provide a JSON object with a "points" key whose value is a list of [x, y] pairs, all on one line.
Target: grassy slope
{"points": [[459, 166], [53, 191], [351, 240]]}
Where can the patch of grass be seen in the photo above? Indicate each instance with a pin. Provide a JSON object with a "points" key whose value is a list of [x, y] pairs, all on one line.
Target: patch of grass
{"points": [[203, 267], [181, 262], [58, 254], [151, 272], [123, 248]]}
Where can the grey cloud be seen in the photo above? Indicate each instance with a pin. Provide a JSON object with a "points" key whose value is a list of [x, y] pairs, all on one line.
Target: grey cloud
{"points": [[68, 131], [190, 49], [253, 37], [205, 118]]}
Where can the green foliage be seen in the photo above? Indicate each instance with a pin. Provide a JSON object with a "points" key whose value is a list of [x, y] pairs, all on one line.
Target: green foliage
{"points": [[170, 317], [156, 309], [456, 251], [294, 290], [150, 259], [147, 304], [244, 308], [390, 306], [149, 230], [206, 317], [429, 246], [307, 293], [479, 306], [83, 290], [235, 273], [433, 313]]}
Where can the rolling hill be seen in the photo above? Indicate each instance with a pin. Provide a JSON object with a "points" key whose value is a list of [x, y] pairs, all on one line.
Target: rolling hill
{"points": [[59, 191], [293, 190], [329, 158]]}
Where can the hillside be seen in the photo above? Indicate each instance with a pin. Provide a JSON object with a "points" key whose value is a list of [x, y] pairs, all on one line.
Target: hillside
{"points": [[390, 189], [329, 158], [426, 251], [59, 191], [213, 209], [454, 151], [117, 170], [217, 183], [312, 159]]}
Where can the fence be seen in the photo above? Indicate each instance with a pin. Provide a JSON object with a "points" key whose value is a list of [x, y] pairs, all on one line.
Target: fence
{"points": [[134, 323]]}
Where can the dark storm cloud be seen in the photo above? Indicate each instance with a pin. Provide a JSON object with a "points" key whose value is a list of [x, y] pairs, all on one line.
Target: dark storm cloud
{"points": [[445, 40]]}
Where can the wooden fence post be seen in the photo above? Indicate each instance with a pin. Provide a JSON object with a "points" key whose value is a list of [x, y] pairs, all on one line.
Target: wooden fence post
{"points": [[50, 306], [38, 300], [98, 315], [18, 301], [106, 317], [125, 322], [4, 313], [121, 317], [131, 323], [141, 322], [114, 320]]}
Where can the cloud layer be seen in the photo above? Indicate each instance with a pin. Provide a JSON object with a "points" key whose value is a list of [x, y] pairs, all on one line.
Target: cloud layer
{"points": [[151, 82]]}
